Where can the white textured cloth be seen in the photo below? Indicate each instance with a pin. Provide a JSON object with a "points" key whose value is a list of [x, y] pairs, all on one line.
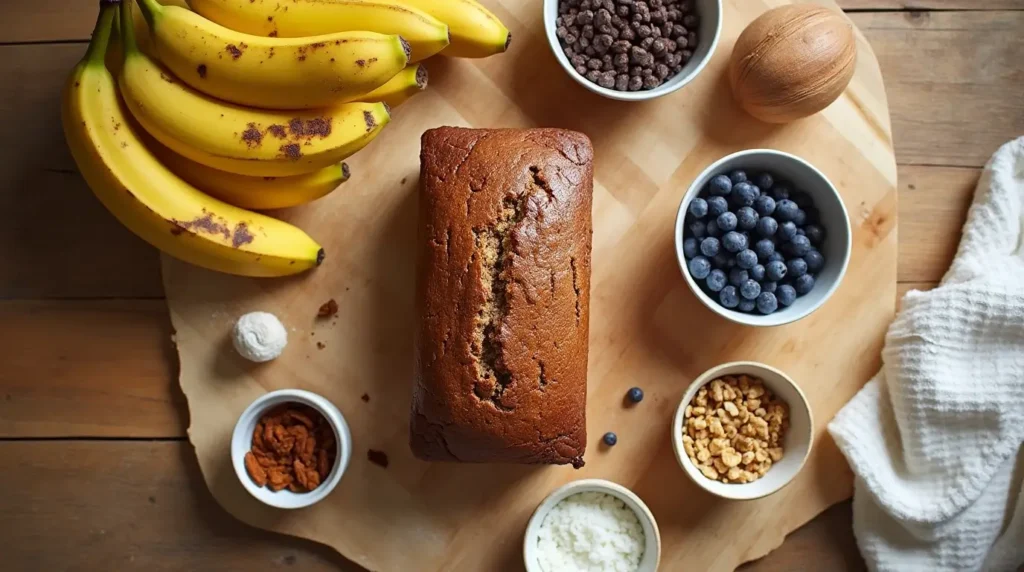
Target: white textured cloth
{"points": [[935, 438]]}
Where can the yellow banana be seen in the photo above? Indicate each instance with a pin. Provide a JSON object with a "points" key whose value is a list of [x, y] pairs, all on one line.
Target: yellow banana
{"points": [[259, 193], [150, 200], [400, 88], [296, 18], [274, 73], [475, 31], [239, 139]]}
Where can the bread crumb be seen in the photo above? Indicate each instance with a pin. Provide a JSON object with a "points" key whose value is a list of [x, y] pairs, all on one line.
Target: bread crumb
{"points": [[328, 309]]}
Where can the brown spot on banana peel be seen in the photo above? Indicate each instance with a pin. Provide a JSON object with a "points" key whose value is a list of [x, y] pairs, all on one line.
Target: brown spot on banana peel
{"points": [[235, 51], [241, 236], [370, 121], [252, 136], [291, 151], [205, 223], [201, 70]]}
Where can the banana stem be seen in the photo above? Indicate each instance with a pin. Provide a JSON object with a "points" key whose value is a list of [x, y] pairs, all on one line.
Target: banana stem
{"points": [[101, 34], [150, 8], [128, 44]]}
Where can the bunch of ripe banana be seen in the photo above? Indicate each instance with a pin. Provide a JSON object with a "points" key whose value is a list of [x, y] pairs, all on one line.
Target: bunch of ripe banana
{"points": [[247, 104]]}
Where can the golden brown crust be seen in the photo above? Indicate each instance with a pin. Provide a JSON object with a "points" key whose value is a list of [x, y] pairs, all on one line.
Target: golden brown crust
{"points": [[503, 294]]}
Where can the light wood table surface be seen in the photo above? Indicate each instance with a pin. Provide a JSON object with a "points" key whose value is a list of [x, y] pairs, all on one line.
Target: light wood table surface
{"points": [[94, 463]]}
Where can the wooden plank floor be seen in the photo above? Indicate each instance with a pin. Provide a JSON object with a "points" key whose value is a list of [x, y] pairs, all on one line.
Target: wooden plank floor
{"points": [[92, 425]]}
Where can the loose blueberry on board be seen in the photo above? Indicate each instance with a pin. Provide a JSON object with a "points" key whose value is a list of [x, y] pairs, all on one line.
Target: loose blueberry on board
{"points": [[710, 246], [746, 218], [767, 226], [786, 294], [712, 229], [727, 221], [734, 241], [717, 206], [764, 205], [729, 297], [815, 261], [796, 267], [700, 267], [803, 284], [720, 185], [814, 233], [737, 177], [750, 289], [610, 439], [698, 229], [764, 180], [690, 248], [698, 208], [635, 394], [785, 210], [787, 231], [769, 286], [738, 276], [774, 270], [746, 305], [800, 245], [757, 273], [764, 248], [780, 192], [744, 194], [746, 259], [716, 280], [767, 303]]}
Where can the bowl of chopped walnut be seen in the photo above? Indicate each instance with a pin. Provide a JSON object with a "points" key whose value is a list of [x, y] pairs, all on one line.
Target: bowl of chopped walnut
{"points": [[743, 430]]}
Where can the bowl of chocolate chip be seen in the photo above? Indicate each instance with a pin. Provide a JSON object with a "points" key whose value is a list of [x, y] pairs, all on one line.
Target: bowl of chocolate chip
{"points": [[633, 50]]}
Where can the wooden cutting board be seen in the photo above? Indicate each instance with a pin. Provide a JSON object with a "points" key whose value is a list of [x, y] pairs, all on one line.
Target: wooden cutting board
{"points": [[647, 328]]}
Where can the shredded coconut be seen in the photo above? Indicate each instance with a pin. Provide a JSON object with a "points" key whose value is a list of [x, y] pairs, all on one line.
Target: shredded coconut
{"points": [[259, 336], [592, 532]]}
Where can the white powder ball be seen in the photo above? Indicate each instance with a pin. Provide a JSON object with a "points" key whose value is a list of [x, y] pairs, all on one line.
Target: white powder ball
{"points": [[593, 532], [259, 336]]}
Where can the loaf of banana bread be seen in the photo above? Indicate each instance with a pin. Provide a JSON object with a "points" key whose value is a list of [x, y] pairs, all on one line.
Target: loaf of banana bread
{"points": [[503, 293]]}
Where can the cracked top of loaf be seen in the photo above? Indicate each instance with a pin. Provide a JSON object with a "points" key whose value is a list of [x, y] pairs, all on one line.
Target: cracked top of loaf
{"points": [[503, 296]]}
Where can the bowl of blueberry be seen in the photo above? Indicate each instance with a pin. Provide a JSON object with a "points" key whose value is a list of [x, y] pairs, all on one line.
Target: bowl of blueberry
{"points": [[762, 237]]}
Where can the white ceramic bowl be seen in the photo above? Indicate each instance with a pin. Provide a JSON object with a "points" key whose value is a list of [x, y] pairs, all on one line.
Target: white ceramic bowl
{"points": [[652, 548], [834, 219], [796, 443], [710, 29], [241, 443]]}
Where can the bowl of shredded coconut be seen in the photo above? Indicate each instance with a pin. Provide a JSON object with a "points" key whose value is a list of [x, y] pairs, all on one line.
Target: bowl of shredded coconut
{"points": [[592, 525]]}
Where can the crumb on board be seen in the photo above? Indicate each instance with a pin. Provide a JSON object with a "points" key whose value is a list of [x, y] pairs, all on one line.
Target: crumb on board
{"points": [[328, 309], [365, 398], [377, 457]]}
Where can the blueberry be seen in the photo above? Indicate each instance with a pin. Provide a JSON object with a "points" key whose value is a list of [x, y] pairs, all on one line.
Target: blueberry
{"points": [[710, 246], [746, 259], [815, 261], [750, 289], [698, 229], [803, 284], [700, 267], [800, 218], [764, 180], [757, 272], [776, 257], [785, 210], [764, 248], [746, 218], [729, 297], [737, 276], [780, 191], [635, 394], [734, 241], [815, 234], [786, 294], [610, 439], [800, 245], [722, 260], [774, 270], [716, 280], [720, 185], [717, 206], [802, 199], [737, 177], [767, 226], [769, 286], [690, 248], [746, 305], [764, 205], [711, 229], [787, 231], [796, 267], [698, 208], [767, 303], [727, 221], [744, 195]]}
